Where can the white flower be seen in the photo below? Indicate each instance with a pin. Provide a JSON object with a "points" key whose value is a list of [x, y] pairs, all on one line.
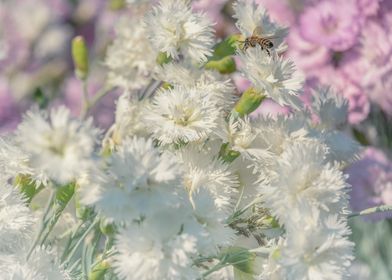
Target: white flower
{"points": [[183, 74], [128, 119], [317, 250], [176, 30], [130, 58], [213, 220], [138, 183], [16, 220], [301, 182], [245, 138], [41, 265], [250, 15], [159, 248], [13, 160], [182, 115], [203, 170], [58, 146], [275, 76], [331, 108]]}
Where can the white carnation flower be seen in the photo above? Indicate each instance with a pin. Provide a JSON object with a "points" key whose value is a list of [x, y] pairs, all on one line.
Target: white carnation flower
{"points": [[302, 182], [250, 15], [204, 170], [42, 265], [58, 146], [16, 220], [158, 248], [274, 75], [176, 30], [182, 115], [128, 119], [183, 74], [331, 108], [139, 182], [130, 58], [317, 250], [213, 220]]}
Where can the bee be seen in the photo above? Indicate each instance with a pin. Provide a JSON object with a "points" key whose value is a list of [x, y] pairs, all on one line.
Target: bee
{"points": [[256, 38]]}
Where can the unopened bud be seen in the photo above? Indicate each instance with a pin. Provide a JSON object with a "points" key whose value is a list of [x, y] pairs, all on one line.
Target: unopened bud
{"points": [[225, 65], [249, 101], [80, 57], [99, 270]]}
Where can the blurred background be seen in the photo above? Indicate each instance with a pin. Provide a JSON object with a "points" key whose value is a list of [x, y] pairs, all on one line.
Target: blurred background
{"points": [[345, 44]]}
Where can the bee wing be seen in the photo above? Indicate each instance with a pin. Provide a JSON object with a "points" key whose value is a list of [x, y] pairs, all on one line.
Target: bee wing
{"points": [[257, 31], [272, 37]]}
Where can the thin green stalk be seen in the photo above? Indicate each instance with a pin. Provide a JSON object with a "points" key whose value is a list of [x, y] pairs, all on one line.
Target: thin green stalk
{"points": [[372, 210], [43, 224], [76, 246]]}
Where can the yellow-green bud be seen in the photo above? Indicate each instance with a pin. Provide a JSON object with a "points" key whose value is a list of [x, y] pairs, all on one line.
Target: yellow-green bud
{"points": [[163, 58], [80, 57], [225, 65], [106, 227], [116, 4], [249, 101], [99, 270]]}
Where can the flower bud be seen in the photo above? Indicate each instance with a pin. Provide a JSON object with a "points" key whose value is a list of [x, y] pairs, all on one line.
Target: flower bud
{"points": [[225, 65], [99, 270], [249, 101], [80, 57]]}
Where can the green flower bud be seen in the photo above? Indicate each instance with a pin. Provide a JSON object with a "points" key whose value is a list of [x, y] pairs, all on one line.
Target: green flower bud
{"points": [[80, 57], [106, 227], [225, 65], [99, 270], [116, 4], [249, 101]]}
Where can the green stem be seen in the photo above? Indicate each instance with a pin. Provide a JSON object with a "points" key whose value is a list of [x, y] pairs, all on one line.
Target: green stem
{"points": [[372, 210], [73, 251], [43, 224]]}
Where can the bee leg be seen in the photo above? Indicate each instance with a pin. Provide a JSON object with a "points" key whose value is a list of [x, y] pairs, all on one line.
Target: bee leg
{"points": [[268, 52]]}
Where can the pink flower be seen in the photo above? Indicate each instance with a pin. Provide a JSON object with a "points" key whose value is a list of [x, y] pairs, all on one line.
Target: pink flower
{"points": [[307, 55], [10, 114], [371, 180], [334, 24]]}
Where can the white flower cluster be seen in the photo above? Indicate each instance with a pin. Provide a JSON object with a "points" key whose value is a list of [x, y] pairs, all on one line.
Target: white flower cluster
{"points": [[185, 184]]}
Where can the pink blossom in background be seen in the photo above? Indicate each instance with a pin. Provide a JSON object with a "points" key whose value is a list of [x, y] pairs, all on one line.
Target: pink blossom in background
{"points": [[371, 180], [10, 114], [334, 24]]}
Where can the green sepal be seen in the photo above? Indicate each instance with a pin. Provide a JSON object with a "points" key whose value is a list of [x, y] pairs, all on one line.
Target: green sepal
{"points": [[226, 154], [163, 58], [240, 258], [250, 100], [99, 270], [27, 186], [224, 65]]}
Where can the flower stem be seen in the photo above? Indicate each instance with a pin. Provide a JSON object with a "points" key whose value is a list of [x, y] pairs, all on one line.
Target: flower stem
{"points": [[372, 210], [43, 223]]}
